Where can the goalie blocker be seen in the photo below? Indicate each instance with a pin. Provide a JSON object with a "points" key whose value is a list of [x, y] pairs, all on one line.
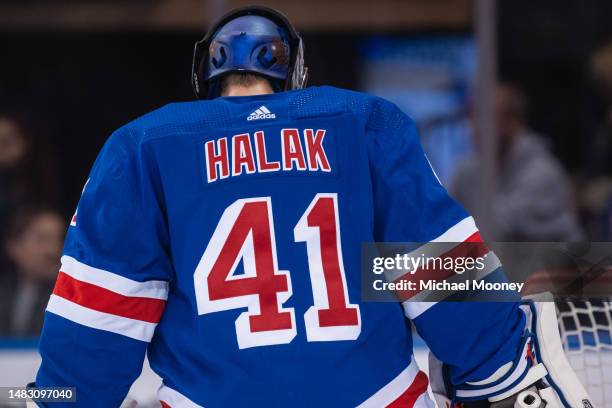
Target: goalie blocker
{"points": [[540, 377]]}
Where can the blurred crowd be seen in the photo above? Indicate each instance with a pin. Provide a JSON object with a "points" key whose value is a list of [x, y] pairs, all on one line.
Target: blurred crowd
{"points": [[534, 197], [596, 191], [31, 229]]}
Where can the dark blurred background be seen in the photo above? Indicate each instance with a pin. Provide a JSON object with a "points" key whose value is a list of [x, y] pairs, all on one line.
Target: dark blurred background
{"points": [[73, 71], [513, 99]]}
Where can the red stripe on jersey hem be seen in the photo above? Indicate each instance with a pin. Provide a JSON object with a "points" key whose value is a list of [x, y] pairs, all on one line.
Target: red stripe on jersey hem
{"points": [[409, 397], [164, 404], [106, 301]]}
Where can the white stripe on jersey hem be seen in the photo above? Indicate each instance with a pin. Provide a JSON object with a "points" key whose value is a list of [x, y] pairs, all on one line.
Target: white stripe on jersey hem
{"points": [[135, 329], [174, 398], [390, 392], [383, 397], [111, 281]]}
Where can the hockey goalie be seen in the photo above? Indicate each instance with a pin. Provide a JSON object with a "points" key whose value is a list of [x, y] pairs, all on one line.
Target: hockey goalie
{"points": [[221, 237]]}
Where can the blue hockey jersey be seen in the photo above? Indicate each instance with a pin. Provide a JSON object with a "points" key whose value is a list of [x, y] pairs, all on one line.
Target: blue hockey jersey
{"points": [[222, 238]]}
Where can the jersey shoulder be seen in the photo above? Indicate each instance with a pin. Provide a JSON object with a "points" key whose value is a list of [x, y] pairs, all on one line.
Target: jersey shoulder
{"points": [[375, 112], [168, 121], [182, 117], [372, 112], [315, 101]]}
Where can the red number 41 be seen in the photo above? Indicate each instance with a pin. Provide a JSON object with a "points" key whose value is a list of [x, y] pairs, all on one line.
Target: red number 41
{"points": [[246, 233]]}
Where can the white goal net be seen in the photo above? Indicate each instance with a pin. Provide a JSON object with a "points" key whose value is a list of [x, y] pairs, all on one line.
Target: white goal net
{"points": [[586, 331]]}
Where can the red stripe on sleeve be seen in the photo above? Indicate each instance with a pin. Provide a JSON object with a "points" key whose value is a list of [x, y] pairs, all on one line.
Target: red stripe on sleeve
{"points": [[164, 404], [104, 300], [409, 397], [475, 237], [473, 247]]}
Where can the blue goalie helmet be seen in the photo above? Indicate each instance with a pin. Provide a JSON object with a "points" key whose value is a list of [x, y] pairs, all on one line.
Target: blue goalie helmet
{"points": [[254, 39]]}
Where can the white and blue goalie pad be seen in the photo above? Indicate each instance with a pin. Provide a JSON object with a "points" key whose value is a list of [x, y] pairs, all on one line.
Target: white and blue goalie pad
{"points": [[540, 376]]}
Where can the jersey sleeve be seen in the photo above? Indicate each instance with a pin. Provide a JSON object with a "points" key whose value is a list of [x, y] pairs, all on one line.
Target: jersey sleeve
{"points": [[113, 283], [411, 205]]}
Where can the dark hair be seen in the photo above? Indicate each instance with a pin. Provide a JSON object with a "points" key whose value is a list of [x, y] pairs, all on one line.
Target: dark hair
{"points": [[517, 103], [36, 177], [23, 218], [244, 79]]}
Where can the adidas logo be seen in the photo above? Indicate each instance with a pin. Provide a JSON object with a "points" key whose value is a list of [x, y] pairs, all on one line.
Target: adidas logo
{"points": [[261, 113]]}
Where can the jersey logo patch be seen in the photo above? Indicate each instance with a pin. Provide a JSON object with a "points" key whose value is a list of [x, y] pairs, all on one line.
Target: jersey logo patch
{"points": [[261, 113]]}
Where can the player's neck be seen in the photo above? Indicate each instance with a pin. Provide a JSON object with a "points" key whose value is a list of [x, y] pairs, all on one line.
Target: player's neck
{"points": [[259, 88]]}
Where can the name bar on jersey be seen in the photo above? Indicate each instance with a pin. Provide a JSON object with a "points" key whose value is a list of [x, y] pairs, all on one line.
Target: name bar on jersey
{"points": [[248, 154]]}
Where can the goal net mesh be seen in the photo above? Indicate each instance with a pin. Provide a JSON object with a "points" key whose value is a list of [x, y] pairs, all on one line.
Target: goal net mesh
{"points": [[586, 331]]}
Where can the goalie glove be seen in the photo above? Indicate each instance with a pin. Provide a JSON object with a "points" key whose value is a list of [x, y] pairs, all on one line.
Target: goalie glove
{"points": [[540, 377]]}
